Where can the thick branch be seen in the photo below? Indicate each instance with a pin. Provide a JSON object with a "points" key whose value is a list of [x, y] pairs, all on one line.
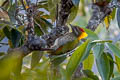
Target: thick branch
{"points": [[63, 13], [100, 13]]}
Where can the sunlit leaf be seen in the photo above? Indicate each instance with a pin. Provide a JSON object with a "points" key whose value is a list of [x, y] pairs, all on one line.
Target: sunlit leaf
{"points": [[76, 58], [82, 8], [88, 63], [114, 49], [113, 13], [9, 64], [103, 66]]}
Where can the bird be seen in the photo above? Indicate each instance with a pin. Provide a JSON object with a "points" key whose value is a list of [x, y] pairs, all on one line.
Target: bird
{"points": [[68, 41]]}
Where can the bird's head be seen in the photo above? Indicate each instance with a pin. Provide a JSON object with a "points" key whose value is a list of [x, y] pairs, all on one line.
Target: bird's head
{"points": [[79, 32]]}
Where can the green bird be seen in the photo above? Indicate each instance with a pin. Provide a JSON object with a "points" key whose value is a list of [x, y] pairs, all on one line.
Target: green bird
{"points": [[69, 41]]}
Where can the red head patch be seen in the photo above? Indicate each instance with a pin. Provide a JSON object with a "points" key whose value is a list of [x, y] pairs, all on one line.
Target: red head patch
{"points": [[81, 29]]}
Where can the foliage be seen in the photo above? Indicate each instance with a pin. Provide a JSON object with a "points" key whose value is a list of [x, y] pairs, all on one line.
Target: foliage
{"points": [[39, 65]]}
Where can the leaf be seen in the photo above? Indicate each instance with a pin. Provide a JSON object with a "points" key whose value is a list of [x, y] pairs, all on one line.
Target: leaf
{"points": [[2, 53], [91, 35], [90, 74], [86, 54], [111, 64], [118, 16], [7, 32], [117, 60], [47, 22], [11, 13], [76, 2], [113, 13], [52, 8], [114, 49], [73, 14], [1, 34], [98, 50], [37, 30], [88, 63], [103, 66], [15, 37], [76, 58], [56, 60], [36, 56]]}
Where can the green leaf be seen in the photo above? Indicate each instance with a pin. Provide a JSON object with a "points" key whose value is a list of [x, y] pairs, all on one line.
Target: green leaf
{"points": [[114, 49], [98, 50], [76, 58], [73, 14], [1, 34], [117, 59], [15, 37], [7, 32], [88, 63], [2, 53], [86, 54], [36, 56], [11, 13], [47, 22], [76, 2], [56, 60], [113, 13], [37, 30], [118, 16], [90, 74], [103, 66], [111, 64], [52, 8], [91, 35]]}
